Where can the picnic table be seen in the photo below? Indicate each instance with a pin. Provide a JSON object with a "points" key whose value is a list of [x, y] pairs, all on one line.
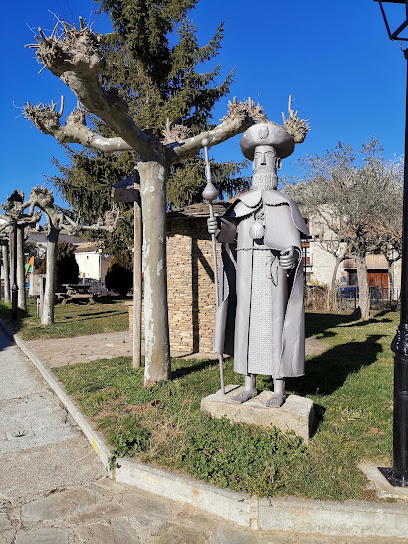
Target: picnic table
{"points": [[68, 292]]}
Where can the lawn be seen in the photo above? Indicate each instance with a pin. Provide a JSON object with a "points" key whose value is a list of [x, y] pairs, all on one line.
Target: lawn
{"points": [[350, 384], [108, 314]]}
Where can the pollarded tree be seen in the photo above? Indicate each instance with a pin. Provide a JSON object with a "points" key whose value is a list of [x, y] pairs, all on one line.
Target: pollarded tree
{"points": [[57, 221], [77, 58], [349, 193], [166, 91], [15, 214], [4, 242]]}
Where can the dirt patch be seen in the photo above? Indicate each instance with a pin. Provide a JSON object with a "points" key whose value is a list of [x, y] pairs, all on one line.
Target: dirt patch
{"points": [[314, 346], [83, 349]]}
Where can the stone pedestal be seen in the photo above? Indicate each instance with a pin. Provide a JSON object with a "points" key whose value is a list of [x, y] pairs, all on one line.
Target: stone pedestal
{"points": [[296, 414]]}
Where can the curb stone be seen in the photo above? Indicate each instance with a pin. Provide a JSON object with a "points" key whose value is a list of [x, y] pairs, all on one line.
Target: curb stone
{"points": [[329, 518]]}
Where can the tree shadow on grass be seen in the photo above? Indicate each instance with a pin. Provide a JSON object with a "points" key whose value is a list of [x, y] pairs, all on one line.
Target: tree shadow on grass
{"points": [[371, 321], [111, 299], [96, 314], [194, 366], [327, 372], [318, 324]]}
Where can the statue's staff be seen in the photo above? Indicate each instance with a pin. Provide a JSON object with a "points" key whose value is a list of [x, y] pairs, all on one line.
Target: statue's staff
{"points": [[210, 193]]}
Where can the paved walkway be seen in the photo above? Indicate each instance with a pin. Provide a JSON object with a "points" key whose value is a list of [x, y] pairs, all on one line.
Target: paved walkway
{"points": [[53, 488]]}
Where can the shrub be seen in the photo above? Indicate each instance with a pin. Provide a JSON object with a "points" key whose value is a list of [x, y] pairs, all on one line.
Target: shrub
{"points": [[67, 267], [316, 298], [119, 277]]}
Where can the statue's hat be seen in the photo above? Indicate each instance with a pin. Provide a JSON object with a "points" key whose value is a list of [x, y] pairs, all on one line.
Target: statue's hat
{"points": [[267, 134]]}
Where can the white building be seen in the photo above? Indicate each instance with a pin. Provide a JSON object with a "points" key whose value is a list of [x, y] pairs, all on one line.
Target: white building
{"points": [[93, 262], [40, 238]]}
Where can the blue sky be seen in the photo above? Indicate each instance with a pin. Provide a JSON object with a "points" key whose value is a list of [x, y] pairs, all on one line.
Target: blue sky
{"points": [[334, 58]]}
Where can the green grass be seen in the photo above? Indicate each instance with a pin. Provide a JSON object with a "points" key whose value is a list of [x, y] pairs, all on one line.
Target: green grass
{"points": [[108, 314], [350, 384]]}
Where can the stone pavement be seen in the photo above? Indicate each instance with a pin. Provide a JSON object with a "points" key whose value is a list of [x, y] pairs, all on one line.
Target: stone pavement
{"points": [[53, 488]]}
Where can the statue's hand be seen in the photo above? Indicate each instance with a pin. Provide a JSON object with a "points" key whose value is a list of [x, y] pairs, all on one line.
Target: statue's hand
{"points": [[213, 224], [288, 258]]}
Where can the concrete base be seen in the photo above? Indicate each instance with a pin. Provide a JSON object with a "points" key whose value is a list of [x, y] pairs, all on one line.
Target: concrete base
{"points": [[381, 485], [296, 414]]}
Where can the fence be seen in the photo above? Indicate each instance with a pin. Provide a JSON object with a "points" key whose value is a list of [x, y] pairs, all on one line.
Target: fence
{"points": [[98, 287], [380, 298]]}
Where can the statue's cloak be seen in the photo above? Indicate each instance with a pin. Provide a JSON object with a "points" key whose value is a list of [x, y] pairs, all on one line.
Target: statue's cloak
{"points": [[282, 230]]}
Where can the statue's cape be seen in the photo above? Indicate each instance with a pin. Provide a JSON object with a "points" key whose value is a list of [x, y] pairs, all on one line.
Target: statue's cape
{"points": [[278, 237], [247, 202]]}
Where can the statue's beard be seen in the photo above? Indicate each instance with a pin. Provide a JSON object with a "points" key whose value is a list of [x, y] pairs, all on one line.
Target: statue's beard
{"points": [[264, 178]]}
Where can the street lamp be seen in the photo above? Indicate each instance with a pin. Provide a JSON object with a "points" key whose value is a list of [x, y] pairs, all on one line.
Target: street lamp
{"points": [[15, 198], [398, 475]]}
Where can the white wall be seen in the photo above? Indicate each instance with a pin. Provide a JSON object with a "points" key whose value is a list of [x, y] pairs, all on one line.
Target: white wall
{"points": [[92, 265], [322, 264]]}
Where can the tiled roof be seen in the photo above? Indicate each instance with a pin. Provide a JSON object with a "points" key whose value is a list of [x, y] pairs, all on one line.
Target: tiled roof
{"points": [[88, 247], [198, 210]]}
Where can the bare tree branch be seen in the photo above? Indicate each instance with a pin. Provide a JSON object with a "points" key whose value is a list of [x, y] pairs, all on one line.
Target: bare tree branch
{"points": [[77, 60], [74, 131], [297, 128], [237, 120]]}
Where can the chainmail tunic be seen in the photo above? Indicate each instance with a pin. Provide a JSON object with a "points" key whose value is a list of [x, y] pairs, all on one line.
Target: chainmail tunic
{"points": [[268, 303]]}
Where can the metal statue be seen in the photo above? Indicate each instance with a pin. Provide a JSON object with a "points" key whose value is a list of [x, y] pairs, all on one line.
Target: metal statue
{"points": [[260, 317]]}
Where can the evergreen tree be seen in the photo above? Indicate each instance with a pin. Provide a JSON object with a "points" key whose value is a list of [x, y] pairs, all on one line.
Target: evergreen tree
{"points": [[119, 277], [165, 92], [67, 267]]}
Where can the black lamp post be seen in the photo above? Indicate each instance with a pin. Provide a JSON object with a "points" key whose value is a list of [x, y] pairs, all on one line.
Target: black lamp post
{"points": [[398, 475], [15, 198]]}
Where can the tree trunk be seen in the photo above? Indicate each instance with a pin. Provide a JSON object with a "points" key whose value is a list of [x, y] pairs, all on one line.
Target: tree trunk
{"points": [[11, 258], [6, 270], [391, 281], [22, 300], [363, 287], [137, 284], [47, 317], [153, 176], [333, 290]]}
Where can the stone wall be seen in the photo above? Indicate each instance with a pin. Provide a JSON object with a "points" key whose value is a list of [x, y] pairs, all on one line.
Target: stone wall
{"points": [[190, 286], [190, 283]]}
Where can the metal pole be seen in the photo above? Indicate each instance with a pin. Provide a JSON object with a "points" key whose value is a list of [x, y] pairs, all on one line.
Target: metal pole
{"points": [[399, 346], [210, 193], [14, 287]]}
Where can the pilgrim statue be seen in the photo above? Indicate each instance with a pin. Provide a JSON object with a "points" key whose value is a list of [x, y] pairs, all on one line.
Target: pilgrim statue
{"points": [[260, 318]]}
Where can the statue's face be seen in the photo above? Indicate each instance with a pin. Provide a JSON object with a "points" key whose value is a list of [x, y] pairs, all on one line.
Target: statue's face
{"points": [[265, 155], [264, 166]]}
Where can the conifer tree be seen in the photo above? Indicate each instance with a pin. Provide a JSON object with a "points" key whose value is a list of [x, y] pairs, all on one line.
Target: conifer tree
{"points": [[165, 93]]}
